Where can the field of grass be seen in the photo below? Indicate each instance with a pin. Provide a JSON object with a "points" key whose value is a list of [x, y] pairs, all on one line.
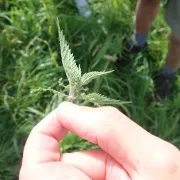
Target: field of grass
{"points": [[30, 58]]}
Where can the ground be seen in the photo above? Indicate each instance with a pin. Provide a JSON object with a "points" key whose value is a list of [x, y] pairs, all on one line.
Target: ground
{"points": [[30, 58]]}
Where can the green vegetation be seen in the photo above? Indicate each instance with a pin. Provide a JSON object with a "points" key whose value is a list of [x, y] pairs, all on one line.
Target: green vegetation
{"points": [[77, 93], [30, 58]]}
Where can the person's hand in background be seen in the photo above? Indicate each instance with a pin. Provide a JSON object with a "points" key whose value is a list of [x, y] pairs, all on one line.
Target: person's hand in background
{"points": [[128, 151]]}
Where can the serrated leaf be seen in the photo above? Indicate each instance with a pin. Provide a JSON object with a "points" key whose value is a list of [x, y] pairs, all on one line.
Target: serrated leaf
{"points": [[88, 77], [73, 72], [99, 99]]}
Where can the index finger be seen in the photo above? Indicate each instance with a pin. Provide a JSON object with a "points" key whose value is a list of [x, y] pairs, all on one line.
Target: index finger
{"points": [[43, 142]]}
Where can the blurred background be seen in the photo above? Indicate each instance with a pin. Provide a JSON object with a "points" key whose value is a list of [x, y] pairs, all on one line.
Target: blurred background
{"points": [[30, 58]]}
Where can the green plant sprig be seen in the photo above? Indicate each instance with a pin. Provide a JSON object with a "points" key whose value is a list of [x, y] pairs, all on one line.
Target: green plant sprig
{"points": [[77, 81]]}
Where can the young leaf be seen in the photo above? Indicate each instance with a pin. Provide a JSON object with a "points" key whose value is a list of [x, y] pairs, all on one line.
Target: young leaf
{"points": [[88, 77], [76, 82], [73, 72], [99, 99]]}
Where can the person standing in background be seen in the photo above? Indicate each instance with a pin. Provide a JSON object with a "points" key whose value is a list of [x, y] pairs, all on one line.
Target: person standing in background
{"points": [[146, 11]]}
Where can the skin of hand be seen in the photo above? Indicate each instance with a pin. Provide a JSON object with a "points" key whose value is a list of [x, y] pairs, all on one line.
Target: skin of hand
{"points": [[127, 152]]}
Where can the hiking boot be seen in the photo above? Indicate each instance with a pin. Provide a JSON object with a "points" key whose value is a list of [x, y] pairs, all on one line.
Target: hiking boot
{"points": [[134, 49], [164, 86], [131, 49]]}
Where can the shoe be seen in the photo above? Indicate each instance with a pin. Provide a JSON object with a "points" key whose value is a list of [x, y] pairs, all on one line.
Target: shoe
{"points": [[134, 49], [131, 49], [164, 86]]}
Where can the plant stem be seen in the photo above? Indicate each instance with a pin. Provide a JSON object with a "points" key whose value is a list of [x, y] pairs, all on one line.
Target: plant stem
{"points": [[71, 94]]}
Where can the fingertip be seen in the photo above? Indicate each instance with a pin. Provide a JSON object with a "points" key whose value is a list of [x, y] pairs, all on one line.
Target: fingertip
{"points": [[64, 106], [66, 109]]}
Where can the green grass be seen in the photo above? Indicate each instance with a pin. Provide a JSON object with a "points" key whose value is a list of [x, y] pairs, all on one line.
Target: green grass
{"points": [[30, 58]]}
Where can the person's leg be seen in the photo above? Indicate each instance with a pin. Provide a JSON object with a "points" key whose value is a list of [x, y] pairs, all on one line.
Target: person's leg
{"points": [[165, 82], [173, 57], [172, 17], [146, 11]]}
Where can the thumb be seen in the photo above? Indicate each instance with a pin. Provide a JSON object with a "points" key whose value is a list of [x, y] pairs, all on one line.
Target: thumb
{"points": [[110, 129], [141, 154]]}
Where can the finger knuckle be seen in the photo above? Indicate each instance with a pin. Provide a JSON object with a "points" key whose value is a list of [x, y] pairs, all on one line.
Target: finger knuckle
{"points": [[111, 112]]}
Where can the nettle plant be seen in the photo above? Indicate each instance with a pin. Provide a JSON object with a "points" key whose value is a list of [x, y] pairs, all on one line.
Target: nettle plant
{"points": [[77, 81]]}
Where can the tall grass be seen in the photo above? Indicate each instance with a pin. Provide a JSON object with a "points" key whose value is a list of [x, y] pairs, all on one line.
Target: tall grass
{"points": [[30, 58]]}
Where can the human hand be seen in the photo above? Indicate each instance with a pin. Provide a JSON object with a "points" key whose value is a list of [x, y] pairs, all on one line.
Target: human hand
{"points": [[128, 151]]}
